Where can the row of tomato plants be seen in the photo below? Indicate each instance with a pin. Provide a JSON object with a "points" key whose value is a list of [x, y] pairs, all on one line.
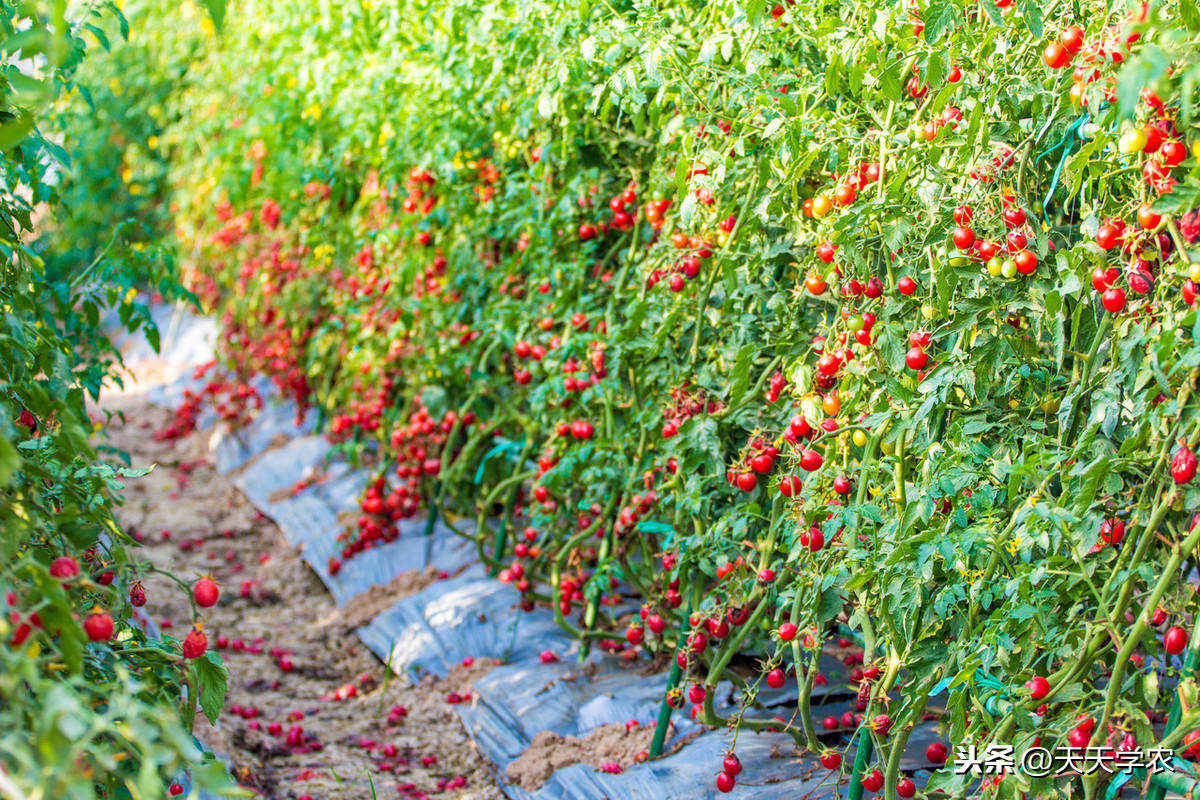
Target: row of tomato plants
{"points": [[90, 706], [788, 323]]}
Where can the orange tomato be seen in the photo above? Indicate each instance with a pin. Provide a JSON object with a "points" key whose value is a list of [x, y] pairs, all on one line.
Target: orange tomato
{"points": [[1147, 219]]}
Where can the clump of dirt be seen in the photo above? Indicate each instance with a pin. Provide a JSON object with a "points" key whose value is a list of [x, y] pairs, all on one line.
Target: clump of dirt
{"points": [[365, 606], [601, 748]]}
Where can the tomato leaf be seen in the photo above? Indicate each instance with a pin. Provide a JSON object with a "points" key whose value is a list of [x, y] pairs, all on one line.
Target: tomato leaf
{"points": [[891, 82], [740, 375], [940, 17], [216, 11], [212, 679], [1189, 15], [1031, 12]]}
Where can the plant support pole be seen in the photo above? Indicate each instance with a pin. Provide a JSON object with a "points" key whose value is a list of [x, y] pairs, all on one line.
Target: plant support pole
{"points": [[866, 748], [664, 711]]}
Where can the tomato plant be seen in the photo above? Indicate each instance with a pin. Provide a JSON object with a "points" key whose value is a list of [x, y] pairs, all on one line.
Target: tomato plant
{"points": [[90, 706], [843, 320]]}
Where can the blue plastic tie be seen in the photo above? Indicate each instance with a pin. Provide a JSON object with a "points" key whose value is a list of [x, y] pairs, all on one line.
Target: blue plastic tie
{"points": [[1067, 144], [980, 678], [1114, 786], [941, 685], [504, 446]]}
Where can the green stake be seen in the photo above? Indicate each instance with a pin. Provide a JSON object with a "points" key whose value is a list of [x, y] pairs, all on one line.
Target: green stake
{"points": [[866, 748], [664, 711]]}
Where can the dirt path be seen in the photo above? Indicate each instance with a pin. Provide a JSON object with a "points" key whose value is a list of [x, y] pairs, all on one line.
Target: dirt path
{"points": [[288, 648]]}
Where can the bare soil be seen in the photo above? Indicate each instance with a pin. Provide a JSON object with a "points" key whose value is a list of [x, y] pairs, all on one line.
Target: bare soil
{"points": [[615, 747], [287, 646]]}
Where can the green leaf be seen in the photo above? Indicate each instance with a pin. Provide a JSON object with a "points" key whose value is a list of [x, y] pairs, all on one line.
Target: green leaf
{"points": [[993, 11], [1146, 68], [755, 9], [212, 678], [831, 604], [740, 376], [940, 17], [216, 10], [1189, 15], [14, 131], [10, 461], [870, 511], [1031, 11], [891, 82]]}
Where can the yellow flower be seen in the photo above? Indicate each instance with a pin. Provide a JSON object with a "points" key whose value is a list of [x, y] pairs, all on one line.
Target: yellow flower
{"points": [[152, 143], [312, 112], [115, 85], [126, 174], [206, 25], [1014, 544], [130, 295], [135, 189]]}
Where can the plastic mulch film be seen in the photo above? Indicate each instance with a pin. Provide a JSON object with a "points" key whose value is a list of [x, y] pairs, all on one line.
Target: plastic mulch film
{"points": [[341, 487], [275, 421], [309, 521], [771, 773], [473, 615], [773, 770], [171, 395], [515, 702], [184, 339], [268, 481], [377, 566], [467, 615]]}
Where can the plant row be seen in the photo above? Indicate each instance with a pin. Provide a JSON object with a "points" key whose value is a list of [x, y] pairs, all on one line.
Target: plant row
{"points": [[793, 324]]}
